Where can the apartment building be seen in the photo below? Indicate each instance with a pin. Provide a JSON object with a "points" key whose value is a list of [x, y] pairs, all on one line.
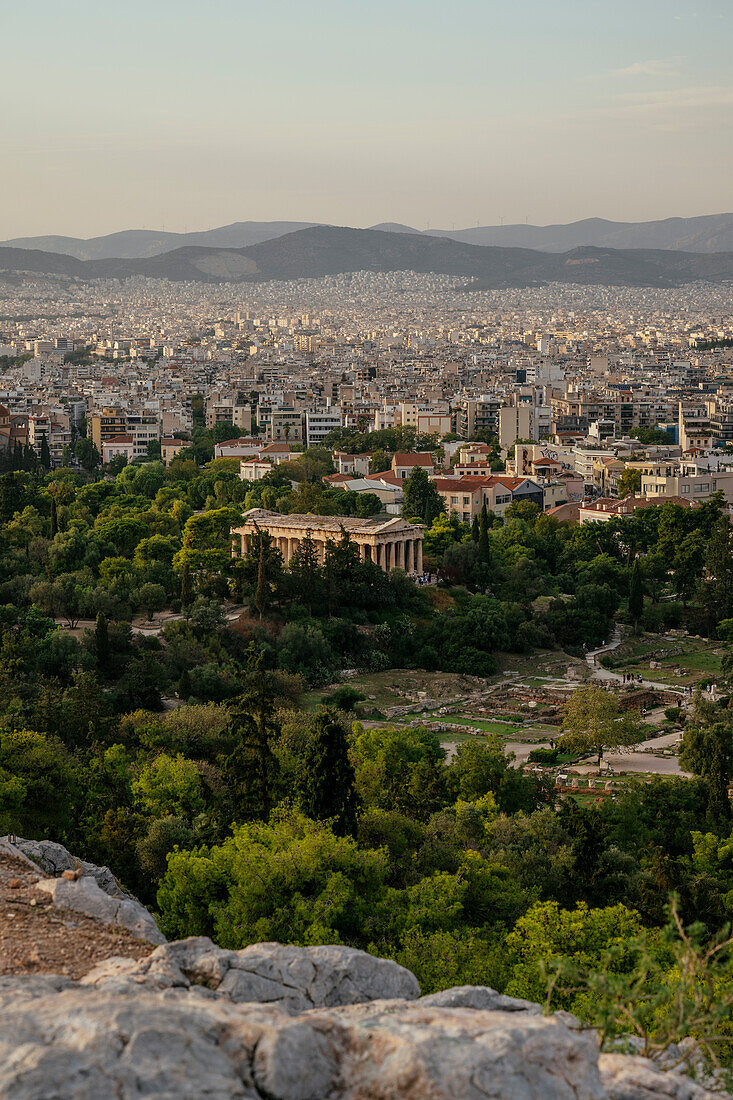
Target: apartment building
{"points": [[118, 445], [515, 422], [466, 495], [228, 411], [688, 480], [171, 448], [320, 422], [285, 424], [106, 424], [474, 415], [425, 419]]}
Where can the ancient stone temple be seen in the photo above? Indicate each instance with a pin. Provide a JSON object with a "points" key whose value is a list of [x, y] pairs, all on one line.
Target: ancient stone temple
{"points": [[389, 541]]}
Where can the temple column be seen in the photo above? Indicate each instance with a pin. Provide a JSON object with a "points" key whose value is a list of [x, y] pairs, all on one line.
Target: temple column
{"points": [[409, 566], [418, 547], [399, 554]]}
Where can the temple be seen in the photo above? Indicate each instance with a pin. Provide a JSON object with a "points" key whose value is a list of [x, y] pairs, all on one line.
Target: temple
{"points": [[388, 541]]}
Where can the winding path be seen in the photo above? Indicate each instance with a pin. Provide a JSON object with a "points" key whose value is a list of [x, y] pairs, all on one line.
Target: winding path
{"points": [[597, 671]]}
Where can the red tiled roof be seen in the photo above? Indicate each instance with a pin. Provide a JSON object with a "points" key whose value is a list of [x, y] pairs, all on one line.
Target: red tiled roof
{"points": [[417, 459]]}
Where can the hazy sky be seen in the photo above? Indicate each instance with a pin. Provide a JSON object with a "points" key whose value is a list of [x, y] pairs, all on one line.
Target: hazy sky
{"points": [[196, 113]]}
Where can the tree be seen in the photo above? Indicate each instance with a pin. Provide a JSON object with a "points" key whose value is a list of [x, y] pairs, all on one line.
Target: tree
{"points": [[400, 770], [169, 785], [186, 585], [475, 529], [422, 500], [261, 593], [37, 785], [262, 570], [45, 453], [629, 483], [716, 588], [325, 776], [594, 722], [151, 597], [305, 573], [251, 766], [289, 880], [707, 751], [54, 518], [101, 642], [636, 595], [547, 931], [484, 549]]}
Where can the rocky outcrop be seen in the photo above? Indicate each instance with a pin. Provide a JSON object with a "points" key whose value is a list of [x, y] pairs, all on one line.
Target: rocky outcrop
{"points": [[97, 1040], [83, 887], [84, 896], [53, 859], [294, 978]]}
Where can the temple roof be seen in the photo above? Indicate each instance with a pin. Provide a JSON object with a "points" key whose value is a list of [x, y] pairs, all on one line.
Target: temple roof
{"points": [[373, 525]]}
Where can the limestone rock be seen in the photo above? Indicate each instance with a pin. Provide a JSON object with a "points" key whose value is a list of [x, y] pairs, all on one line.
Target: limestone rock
{"points": [[295, 978], [84, 896], [53, 859], [477, 996], [77, 1041], [627, 1077]]}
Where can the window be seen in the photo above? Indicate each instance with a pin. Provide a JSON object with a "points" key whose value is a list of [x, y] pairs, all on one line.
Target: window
{"points": [[454, 500]]}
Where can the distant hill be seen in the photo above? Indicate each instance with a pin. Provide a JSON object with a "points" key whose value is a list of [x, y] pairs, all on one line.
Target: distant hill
{"points": [[332, 250], [394, 227], [133, 244], [711, 233]]}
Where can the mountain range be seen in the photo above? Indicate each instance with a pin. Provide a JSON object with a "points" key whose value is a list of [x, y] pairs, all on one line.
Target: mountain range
{"points": [[321, 250], [710, 233]]}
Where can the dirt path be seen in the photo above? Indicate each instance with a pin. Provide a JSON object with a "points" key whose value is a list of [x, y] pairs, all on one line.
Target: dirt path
{"points": [[605, 675]]}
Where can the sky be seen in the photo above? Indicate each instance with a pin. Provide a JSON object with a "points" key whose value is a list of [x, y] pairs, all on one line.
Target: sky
{"points": [[189, 114]]}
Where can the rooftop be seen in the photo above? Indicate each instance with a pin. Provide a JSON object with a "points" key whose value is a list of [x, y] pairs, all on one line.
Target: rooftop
{"points": [[296, 521]]}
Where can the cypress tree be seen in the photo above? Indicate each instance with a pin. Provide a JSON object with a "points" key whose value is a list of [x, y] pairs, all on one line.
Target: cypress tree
{"points": [[475, 529], [325, 779], [261, 592], [184, 686], [251, 768], [305, 573], [186, 585], [45, 453], [54, 517], [636, 595], [484, 550], [101, 641]]}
